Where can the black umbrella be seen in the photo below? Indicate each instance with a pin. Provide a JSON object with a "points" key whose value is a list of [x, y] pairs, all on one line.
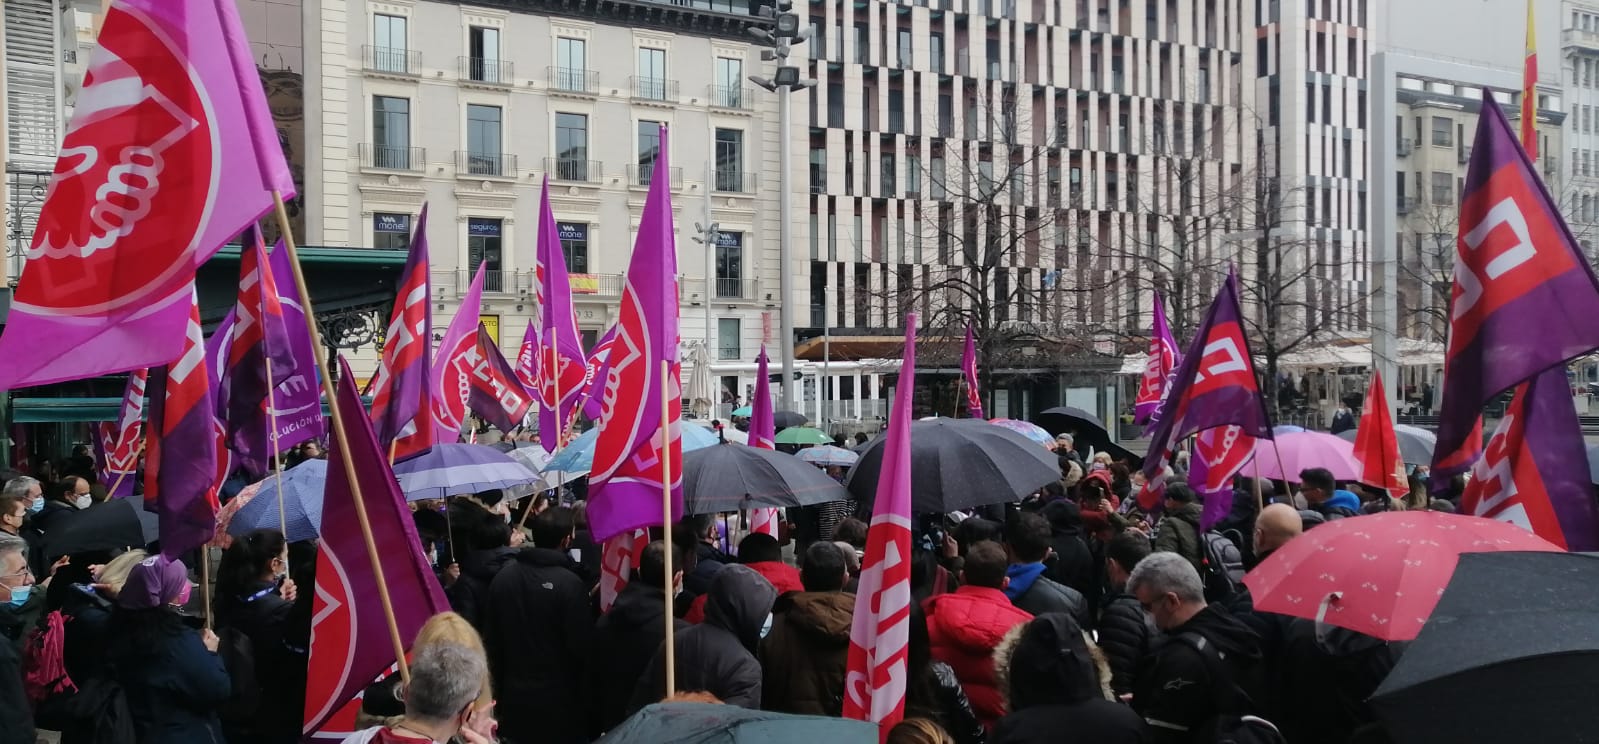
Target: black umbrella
{"points": [[111, 526], [959, 464], [1511, 653], [703, 723], [729, 477], [1076, 420], [785, 419]]}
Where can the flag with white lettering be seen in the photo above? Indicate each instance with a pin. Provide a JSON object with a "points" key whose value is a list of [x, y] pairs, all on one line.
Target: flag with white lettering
{"points": [[183, 467], [402, 392]]}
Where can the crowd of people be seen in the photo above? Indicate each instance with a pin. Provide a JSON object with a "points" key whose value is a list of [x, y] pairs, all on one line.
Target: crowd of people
{"points": [[1072, 615]]}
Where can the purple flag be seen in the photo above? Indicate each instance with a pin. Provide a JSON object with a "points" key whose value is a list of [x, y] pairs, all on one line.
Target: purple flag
{"points": [[453, 365], [1215, 385], [1157, 369], [1219, 455], [497, 395], [599, 365], [561, 366], [258, 351], [1524, 298], [630, 454], [124, 437], [763, 426], [400, 390], [350, 640], [183, 446], [974, 398]]}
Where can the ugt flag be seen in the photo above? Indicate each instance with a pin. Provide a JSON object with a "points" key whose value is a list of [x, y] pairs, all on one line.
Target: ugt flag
{"points": [[1157, 368], [1377, 445], [561, 364], [879, 638], [1215, 385], [974, 397], [169, 154], [452, 368], [402, 413], [183, 463], [1524, 298], [1534, 472], [639, 431], [496, 395], [259, 356], [350, 639], [126, 436]]}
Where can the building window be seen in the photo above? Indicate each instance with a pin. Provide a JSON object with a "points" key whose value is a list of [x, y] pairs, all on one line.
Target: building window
{"points": [[729, 264], [574, 245], [649, 148], [905, 54], [483, 44], [863, 44], [913, 176], [727, 339], [729, 160], [571, 64], [888, 172], [729, 77], [572, 147], [389, 43], [391, 231], [818, 170], [1443, 131], [391, 132], [1443, 188], [935, 51], [483, 141], [483, 250], [652, 73]]}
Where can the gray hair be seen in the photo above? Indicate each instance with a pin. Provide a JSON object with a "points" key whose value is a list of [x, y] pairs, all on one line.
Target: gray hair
{"points": [[1168, 573], [445, 678], [20, 486], [10, 543]]}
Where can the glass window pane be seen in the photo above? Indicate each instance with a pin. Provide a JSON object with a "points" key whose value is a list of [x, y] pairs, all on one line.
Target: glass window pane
{"points": [[649, 147], [729, 159], [571, 146]]}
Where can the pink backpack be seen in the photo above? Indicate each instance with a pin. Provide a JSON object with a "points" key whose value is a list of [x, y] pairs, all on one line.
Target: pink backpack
{"points": [[44, 671]]}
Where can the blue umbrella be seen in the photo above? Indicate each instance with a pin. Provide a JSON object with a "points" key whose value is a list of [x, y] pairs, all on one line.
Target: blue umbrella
{"points": [[579, 455], [455, 469], [302, 503]]}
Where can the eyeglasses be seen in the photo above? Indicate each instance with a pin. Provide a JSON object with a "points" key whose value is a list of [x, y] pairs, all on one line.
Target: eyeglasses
{"points": [[25, 572]]}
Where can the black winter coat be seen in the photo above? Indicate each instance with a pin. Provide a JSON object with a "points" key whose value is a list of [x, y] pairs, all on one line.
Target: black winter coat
{"points": [[1180, 691], [624, 640], [718, 655], [260, 612], [1048, 596], [939, 696], [538, 627], [1053, 690], [1126, 636], [16, 714], [172, 681], [469, 594], [1097, 721]]}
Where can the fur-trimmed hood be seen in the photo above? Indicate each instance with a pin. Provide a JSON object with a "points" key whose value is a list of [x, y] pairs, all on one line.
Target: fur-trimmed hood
{"points": [[1050, 660]]}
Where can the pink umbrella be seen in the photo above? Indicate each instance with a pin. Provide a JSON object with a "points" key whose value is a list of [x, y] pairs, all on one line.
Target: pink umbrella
{"points": [[1292, 452]]}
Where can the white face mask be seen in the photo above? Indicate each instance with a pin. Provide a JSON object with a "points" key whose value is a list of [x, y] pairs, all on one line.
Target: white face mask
{"points": [[83, 501], [766, 627]]}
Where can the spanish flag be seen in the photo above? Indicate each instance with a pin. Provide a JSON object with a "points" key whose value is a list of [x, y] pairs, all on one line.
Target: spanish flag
{"points": [[1529, 90]]}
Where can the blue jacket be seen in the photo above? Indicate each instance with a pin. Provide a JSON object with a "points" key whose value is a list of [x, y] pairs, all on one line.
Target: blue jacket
{"points": [[1340, 500], [173, 687]]}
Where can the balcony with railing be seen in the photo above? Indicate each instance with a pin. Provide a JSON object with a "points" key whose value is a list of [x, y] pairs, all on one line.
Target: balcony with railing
{"points": [[486, 71], [736, 288], [1405, 146], [493, 164], [736, 182], [391, 61], [391, 157], [1580, 38], [640, 176], [1408, 204], [652, 88], [734, 98], [573, 80], [573, 170], [455, 283], [1463, 155]]}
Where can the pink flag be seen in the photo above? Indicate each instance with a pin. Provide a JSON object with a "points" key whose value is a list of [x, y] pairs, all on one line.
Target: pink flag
{"points": [[527, 357], [561, 366], [183, 466], [453, 365], [169, 154], [1158, 368], [122, 447], [879, 638], [598, 368], [763, 435], [974, 398], [350, 641], [619, 556], [636, 433]]}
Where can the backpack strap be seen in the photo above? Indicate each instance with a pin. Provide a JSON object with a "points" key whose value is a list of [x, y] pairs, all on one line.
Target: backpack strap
{"points": [[1230, 697]]}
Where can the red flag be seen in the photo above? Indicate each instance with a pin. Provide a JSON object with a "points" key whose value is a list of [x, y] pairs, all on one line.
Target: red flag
{"points": [[258, 352], [496, 395], [401, 397], [1377, 446], [122, 437], [182, 461], [879, 638], [527, 358], [619, 556], [350, 640], [451, 386]]}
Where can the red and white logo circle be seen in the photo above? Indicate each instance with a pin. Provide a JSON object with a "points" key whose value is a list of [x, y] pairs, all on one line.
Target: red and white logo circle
{"points": [[134, 182]]}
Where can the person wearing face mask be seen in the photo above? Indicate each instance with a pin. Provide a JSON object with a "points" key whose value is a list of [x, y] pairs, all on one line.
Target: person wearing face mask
{"points": [[626, 637], [255, 598], [16, 582], [13, 513], [28, 491], [171, 674], [440, 700], [67, 497], [718, 655]]}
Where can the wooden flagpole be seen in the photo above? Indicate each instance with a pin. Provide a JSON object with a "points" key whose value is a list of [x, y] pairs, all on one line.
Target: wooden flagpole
{"points": [[666, 528], [341, 437], [205, 582], [124, 474], [277, 453]]}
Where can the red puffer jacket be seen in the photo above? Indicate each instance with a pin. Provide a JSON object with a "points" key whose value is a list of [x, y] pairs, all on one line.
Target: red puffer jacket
{"points": [[964, 628], [783, 577]]}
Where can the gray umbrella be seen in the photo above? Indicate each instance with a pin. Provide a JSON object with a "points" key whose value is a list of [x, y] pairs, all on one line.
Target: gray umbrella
{"points": [[729, 477], [959, 464], [1415, 443]]}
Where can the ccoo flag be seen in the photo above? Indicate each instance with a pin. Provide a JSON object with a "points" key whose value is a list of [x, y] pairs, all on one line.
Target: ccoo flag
{"points": [[1534, 472], [561, 365], [350, 641], [1215, 385], [183, 463], [974, 397], [496, 394], [527, 357], [402, 391], [1220, 454], [763, 434], [126, 435], [879, 637], [451, 387], [598, 367], [1517, 269], [258, 357], [1377, 445], [626, 480], [169, 154], [1157, 369]]}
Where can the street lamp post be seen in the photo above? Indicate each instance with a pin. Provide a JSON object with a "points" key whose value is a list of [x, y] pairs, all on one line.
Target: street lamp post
{"points": [[784, 33]]}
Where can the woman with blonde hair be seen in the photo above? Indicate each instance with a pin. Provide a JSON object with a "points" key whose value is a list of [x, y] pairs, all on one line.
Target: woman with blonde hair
{"points": [[918, 731], [384, 702]]}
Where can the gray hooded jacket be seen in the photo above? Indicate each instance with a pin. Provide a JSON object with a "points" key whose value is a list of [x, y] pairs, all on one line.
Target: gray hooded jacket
{"points": [[718, 655]]}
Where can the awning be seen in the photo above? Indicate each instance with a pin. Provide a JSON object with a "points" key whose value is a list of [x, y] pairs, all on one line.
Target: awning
{"points": [[850, 347], [63, 410]]}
